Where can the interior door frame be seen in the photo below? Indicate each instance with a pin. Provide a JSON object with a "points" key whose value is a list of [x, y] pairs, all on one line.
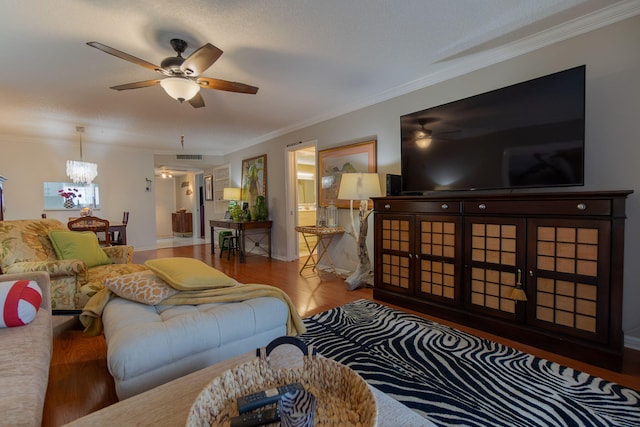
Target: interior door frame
{"points": [[291, 188]]}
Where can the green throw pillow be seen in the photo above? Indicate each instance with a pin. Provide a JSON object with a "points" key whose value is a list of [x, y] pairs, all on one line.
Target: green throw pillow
{"points": [[189, 274], [82, 245]]}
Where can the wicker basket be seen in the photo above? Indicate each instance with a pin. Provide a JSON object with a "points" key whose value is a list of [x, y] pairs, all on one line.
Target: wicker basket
{"points": [[344, 398]]}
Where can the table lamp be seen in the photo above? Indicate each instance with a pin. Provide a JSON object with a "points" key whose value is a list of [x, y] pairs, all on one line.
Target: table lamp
{"points": [[360, 186], [232, 195]]}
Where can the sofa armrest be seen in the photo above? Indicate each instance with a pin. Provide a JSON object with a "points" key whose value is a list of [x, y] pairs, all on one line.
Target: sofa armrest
{"points": [[61, 267], [41, 278], [120, 254], [25, 357]]}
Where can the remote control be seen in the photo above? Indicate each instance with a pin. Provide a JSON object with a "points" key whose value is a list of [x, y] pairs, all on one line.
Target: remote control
{"points": [[257, 400], [256, 418]]}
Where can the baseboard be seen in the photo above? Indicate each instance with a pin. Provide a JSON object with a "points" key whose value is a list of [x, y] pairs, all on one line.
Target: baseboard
{"points": [[632, 342]]}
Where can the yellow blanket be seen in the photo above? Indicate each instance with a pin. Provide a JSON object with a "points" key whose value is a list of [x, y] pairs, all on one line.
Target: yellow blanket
{"points": [[91, 316]]}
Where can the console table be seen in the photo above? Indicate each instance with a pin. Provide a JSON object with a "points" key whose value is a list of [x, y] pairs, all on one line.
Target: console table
{"points": [[240, 228], [465, 257], [323, 236]]}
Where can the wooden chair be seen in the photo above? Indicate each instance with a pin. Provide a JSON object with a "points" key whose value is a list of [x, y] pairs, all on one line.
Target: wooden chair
{"points": [[92, 223], [116, 236]]}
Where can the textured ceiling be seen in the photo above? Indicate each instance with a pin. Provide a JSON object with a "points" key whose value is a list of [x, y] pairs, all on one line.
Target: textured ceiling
{"points": [[312, 60]]}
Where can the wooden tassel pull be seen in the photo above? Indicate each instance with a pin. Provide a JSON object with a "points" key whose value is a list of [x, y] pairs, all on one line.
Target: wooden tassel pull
{"points": [[518, 293]]}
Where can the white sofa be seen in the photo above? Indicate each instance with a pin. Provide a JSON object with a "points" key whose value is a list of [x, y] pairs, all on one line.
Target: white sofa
{"points": [[25, 356], [151, 345]]}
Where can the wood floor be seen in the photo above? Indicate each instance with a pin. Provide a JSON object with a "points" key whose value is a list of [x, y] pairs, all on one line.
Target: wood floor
{"points": [[79, 382]]}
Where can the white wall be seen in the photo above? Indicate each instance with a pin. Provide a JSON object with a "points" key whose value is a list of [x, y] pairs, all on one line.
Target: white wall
{"points": [[121, 176], [165, 205], [612, 132]]}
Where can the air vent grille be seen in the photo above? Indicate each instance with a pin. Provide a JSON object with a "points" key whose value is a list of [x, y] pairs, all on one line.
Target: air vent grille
{"points": [[188, 156]]}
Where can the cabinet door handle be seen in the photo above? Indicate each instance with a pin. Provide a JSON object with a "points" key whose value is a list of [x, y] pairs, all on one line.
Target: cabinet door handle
{"points": [[410, 255], [387, 206], [581, 206], [482, 206], [444, 206]]}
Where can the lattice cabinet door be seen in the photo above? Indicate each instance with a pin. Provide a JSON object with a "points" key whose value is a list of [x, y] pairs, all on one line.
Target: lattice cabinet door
{"points": [[495, 254], [569, 277], [438, 252], [394, 252]]}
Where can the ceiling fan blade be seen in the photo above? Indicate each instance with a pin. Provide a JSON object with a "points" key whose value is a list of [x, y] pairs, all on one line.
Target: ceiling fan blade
{"points": [[136, 85], [209, 83], [200, 60], [197, 101], [122, 55]]}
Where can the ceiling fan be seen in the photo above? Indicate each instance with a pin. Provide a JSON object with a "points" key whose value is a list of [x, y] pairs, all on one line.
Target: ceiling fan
{"points": [[182, 79]]}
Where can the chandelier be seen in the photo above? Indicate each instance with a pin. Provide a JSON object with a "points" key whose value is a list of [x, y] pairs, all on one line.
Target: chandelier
{"points": [[81, 172]]}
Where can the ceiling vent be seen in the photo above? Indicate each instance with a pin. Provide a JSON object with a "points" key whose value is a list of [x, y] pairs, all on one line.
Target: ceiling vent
{"points": [[188, 156]]}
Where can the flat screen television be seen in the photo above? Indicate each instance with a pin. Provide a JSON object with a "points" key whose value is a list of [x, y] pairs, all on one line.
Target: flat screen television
{"points": [[530, 134]]}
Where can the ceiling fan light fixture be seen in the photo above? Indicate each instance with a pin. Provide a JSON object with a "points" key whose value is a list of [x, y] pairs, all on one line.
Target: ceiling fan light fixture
{"points": [[180, 88]]}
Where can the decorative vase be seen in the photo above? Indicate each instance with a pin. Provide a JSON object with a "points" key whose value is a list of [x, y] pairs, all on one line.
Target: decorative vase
{"points": [[261, 209], [332, 215], [68, 203], [254, 213], [321, 217]]}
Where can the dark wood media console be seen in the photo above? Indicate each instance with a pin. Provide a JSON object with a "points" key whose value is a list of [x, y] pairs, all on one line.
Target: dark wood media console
{"points": [[461, 257]]}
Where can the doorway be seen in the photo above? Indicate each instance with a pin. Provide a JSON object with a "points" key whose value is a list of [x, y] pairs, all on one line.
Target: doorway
{"points": [[301, 195], [306, 192]]}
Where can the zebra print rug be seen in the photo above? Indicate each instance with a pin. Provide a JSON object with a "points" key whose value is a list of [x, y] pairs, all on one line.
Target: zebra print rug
{"points": [[453, 378]]}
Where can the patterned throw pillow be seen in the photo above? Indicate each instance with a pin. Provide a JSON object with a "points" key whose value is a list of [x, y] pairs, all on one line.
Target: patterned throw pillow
{"points": [[20, 301], [144, 287]]}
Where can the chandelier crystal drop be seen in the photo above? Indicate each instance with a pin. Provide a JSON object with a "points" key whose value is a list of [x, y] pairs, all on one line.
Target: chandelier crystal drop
{"points": [[80, 172]]}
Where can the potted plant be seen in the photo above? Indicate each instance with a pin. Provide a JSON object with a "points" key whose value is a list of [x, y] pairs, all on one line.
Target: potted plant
{"points": [[236, 212]]}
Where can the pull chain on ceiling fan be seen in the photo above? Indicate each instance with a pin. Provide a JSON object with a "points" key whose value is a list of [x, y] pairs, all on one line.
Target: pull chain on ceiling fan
{"points": [[182, 79]]}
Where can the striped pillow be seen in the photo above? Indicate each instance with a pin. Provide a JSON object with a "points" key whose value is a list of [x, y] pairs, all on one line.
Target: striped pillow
{"points": [[20, 301]]}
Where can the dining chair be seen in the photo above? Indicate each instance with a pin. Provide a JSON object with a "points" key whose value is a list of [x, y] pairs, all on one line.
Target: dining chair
{"points": [[92, 223], [116, 236]]}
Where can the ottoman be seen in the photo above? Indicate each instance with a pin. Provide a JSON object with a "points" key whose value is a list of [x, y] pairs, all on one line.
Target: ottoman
{"points": [[150, 345]]}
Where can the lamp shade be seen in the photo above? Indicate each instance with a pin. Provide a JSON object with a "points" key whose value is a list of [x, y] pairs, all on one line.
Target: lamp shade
{"points": [[359, 186], [180, 88], [231, 193]]}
